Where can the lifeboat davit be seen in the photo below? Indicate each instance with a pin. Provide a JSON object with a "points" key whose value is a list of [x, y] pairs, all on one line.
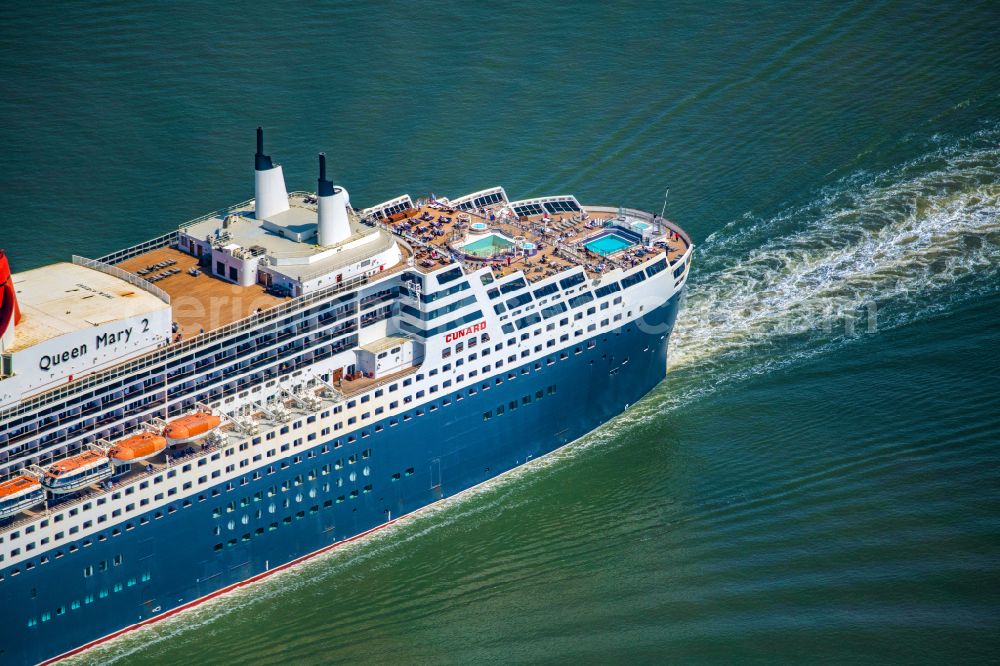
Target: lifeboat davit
{"points": [[76, 472], [137, 447], [19, 493], [190, 428]]}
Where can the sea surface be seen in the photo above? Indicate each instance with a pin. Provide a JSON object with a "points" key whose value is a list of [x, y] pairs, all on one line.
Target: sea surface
{"points": [[817, 480]]}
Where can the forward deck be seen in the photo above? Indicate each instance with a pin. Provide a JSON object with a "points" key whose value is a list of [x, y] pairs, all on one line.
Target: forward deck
{"points": [[557, 242]]}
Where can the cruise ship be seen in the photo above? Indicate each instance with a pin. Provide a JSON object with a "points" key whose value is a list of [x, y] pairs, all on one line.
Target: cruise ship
{"points": [[265, 382]]}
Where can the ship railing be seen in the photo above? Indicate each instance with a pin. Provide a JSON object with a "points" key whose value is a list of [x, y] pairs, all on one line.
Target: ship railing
{"points": [[406, 236], [122, 255], [379, 247], [348, 391], [642, 216], [222, 212], [253, 321], [410, 240], [298, 195], [138, 472], [131, 278], [143, 469]]}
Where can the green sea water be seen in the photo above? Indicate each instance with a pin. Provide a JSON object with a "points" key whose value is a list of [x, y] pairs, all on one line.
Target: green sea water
{"points": [[817, 480]]}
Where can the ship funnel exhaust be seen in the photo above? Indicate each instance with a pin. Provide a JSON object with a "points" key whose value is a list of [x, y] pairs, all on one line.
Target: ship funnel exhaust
{"points": [[333, 225], [10, 313], [269, 183], [324, 187]]}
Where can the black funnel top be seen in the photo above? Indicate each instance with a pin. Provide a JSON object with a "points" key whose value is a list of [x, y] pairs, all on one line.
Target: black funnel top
{"points": [[324, 187], [261, 162]]}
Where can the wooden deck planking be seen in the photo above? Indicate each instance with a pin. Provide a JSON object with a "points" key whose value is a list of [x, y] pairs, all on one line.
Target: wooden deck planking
{"points": [[534, 267], [203, 302]]}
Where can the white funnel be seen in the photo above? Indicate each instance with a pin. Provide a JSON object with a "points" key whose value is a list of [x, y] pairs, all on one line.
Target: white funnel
{"points": [[268, 182], [333, 225]]}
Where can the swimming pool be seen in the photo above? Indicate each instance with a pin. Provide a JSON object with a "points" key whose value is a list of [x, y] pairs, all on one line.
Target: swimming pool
{"points": [[608, 244], [488, 246]]}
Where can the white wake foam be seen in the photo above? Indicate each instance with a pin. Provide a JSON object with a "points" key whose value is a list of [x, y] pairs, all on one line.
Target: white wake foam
{"points": [[872, 252]]}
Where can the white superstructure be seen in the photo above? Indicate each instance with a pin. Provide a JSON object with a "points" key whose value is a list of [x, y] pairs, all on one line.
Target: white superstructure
{"points": [[325, 336]]}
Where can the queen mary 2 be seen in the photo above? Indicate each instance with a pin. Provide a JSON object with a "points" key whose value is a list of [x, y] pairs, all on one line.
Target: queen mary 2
{"points": [[265, 382]]}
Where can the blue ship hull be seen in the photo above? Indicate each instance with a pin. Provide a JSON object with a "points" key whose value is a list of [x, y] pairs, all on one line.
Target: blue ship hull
{"points": [[200, 549]]}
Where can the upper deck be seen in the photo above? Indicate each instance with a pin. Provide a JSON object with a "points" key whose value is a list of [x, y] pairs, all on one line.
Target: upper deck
{"points": [[228, 265], [541, 245], [201, 302], [66, 298]]}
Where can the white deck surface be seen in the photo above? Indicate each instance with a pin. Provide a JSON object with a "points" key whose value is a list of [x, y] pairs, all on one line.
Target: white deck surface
{"points": [[63, 298]]}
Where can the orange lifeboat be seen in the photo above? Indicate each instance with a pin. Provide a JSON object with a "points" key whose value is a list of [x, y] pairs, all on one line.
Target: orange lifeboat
{"points": [[191, 427], [19, 493], [137, 447], [76, 472]]}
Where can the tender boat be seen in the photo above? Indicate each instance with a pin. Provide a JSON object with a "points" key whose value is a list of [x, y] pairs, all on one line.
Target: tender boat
{"points": [[190, 428], [137, 447], [77, 472], [19, 493]]}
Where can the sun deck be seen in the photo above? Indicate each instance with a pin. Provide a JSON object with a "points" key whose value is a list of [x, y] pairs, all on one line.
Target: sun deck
{"points": [[555, 243], [200, 302]]}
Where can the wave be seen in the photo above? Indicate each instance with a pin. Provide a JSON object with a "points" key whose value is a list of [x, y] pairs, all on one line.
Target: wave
{"points": [[873, 252]]}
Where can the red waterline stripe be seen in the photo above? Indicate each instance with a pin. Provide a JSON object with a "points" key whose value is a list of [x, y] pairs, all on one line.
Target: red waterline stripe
{"points": [[219, 592]]}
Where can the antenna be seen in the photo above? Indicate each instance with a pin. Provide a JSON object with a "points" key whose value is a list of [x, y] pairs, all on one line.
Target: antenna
{"points": [[664, 210]]}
